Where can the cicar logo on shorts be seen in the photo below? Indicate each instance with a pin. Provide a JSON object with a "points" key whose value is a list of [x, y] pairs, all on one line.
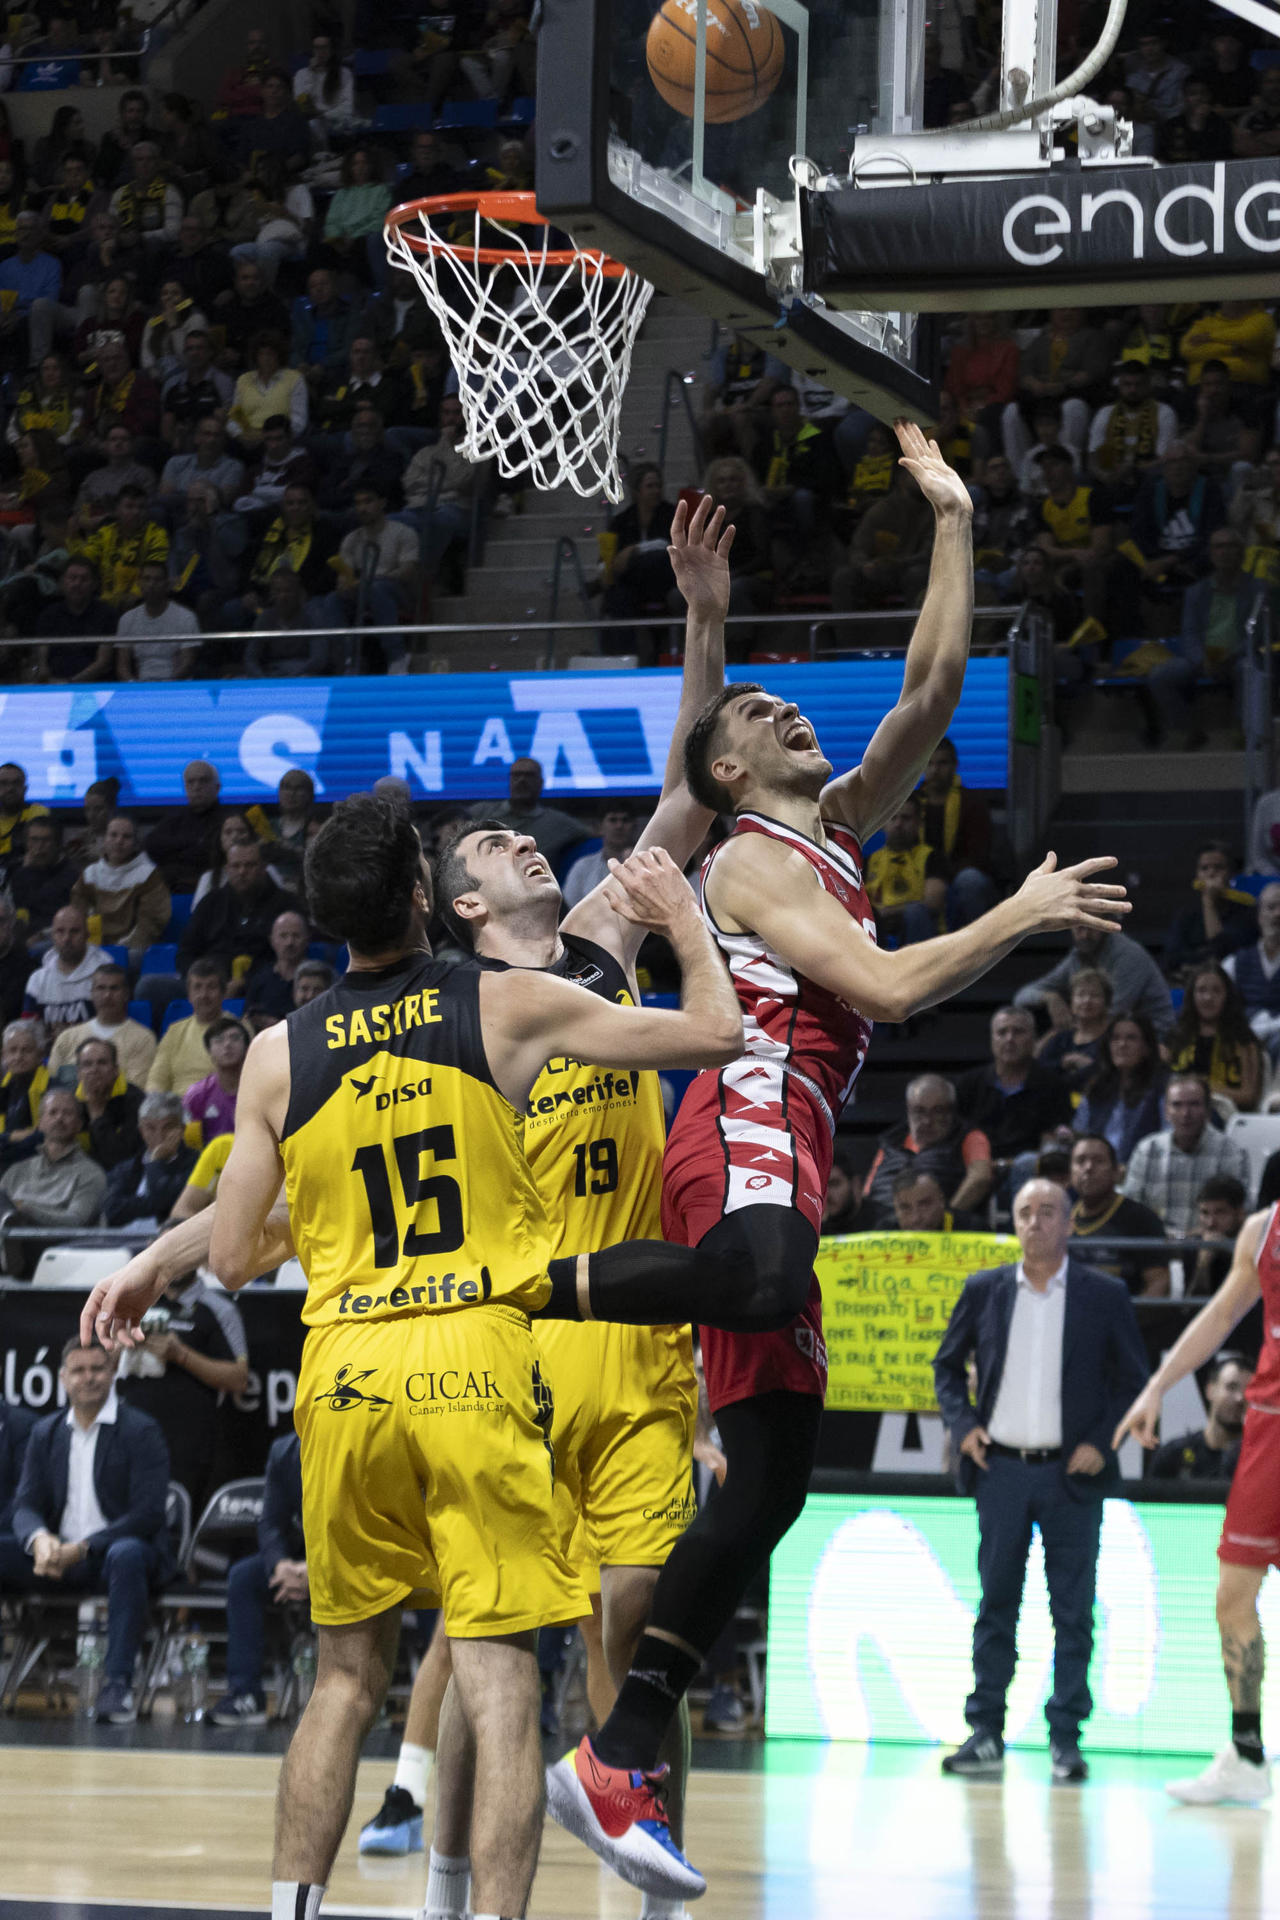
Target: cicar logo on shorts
{"points": [[453, 1390], [346, 1392]]}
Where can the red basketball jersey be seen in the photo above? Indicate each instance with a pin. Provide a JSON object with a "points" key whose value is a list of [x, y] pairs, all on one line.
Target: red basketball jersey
{"points": [[1264, 1388], [788, 1020]]}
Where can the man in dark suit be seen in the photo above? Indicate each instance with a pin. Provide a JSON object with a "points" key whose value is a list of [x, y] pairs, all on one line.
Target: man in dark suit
{"points": [[1059, 1358], [278, 1571], [89, 1516]]}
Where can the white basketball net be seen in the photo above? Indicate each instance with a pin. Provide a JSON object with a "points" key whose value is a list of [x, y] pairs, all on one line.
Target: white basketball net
{"points": [[542, 350]]}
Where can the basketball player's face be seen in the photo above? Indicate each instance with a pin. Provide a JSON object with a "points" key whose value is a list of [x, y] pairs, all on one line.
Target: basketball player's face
{"points": [[510, 876], [773, 744]]}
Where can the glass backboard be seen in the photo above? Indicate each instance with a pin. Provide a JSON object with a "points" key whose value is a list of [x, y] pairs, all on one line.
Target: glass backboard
{"points": [[635, 156]]}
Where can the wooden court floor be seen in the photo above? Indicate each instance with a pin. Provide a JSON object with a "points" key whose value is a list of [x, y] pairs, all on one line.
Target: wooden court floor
{"points": [[814, 1833]]}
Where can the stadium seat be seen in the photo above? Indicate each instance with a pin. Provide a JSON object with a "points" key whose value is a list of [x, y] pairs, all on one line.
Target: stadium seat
{"points": [[142, 1011], [403, 116], [481, 115], [1259, 1135], [179, 911], [77, 1267], [235, 1007], [162, 957], [119, 954], [176, 1010]]}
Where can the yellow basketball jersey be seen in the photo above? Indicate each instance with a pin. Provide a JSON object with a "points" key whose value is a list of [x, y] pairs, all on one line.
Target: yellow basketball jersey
{"points": [[594, 1137], [407, 1182]]}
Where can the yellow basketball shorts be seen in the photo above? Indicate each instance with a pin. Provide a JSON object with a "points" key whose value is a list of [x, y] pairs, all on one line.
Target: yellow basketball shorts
{"points": [[625, 1403], [427, 1465]]}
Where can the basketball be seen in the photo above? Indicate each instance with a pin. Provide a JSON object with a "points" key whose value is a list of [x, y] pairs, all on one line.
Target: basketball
{"points": [[745, 55]]}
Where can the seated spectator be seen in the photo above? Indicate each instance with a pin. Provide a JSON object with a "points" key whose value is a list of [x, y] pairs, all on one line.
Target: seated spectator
{"points": [[905, 879], [101, 488], [1067, 362], [293, 642], [163, 635], [181, 1058], [167, 331], [232, 924], [16, 811], [618, 834], [58, 1186], [1220, 1214], [957, 822], [281, 464], [270, 218], [148, 210], [240, 90], [58, 991], [872, 476], [324, 325], [110, 1104], [196, 158], [430, 171], [15, 963], [32, 278], [1217, 922], [1228, 72], [270, 389], [1155, 78], [204, 557], [353, 220], [112, 311], [983, 369], [1255, 972], [1224, 444], [208, 462], [1130, 436], [290, 827], [191, 403], [552, 831], [1046, 432], [1167, 1170], [965, 445], [934, 1140], [180, 1373], [637, 570], [236, 831], [43, 880], [1196, 132], [842, 1201], [891, 550], [122, 397], [1254, 511], [1124, 1098], [47, 398], [796, 466], [1212, 1040], [111, 162], [371, 462], [89, 1517], [201, 1189], [1016, 1099], [183, 840], [271, 985], [23, 1081], [1239, 333], [120, 547], [278, 130], [86, 842], [125, 889], [1212, 1452], [248, 309], [146, 1188], [277, 1572], [210, 1105], [1211, 641], [1075, 1051], [1136, 982], [135, 1044], [733, 486], [313, 978], [325, 91], [66, 133], [919, 1204], [362, 382], [385, 598], [1076, 533], [1100, 1210]]}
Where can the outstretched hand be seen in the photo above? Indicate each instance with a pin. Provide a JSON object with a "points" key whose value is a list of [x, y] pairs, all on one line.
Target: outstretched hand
{"points": [[113, 1312], [649, 890], [940, 484], [1142, 1420], [1067, 897], [699, 554]]}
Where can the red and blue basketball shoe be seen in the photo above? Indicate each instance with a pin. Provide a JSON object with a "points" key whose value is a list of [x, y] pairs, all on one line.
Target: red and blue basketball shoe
{"points": [[621, 1815]]}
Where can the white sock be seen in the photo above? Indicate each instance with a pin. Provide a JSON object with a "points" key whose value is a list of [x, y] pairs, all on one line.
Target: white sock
{"points": [[413, 1770], [658, 1907], [295, 1900], [448, 1885]]}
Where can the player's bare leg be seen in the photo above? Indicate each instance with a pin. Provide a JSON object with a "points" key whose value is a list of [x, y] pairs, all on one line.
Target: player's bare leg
{"points": [[496, 1682], [601, 1686], [627, 1593], [317, 1780], [1240, 1770], [449, 1869]]}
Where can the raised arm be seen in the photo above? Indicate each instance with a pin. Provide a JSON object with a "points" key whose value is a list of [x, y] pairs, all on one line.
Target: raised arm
{"points": [[699, 553], [1202, 1339], [530, 1017], [758, 884], [934, 675], [254, 1172]]}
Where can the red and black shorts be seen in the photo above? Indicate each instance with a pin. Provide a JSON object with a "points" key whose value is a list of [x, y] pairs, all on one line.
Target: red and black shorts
{"points": [[750, 1136], [1251, 1525]]}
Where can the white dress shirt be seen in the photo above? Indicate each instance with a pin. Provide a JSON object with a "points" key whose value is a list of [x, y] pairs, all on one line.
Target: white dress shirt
{"points": [[82, 1516], [1028, 1409]]}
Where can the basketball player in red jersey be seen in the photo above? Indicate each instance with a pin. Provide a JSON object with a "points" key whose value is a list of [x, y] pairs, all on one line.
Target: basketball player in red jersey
{"points": [[747, 1161], [1250, 1540]]}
